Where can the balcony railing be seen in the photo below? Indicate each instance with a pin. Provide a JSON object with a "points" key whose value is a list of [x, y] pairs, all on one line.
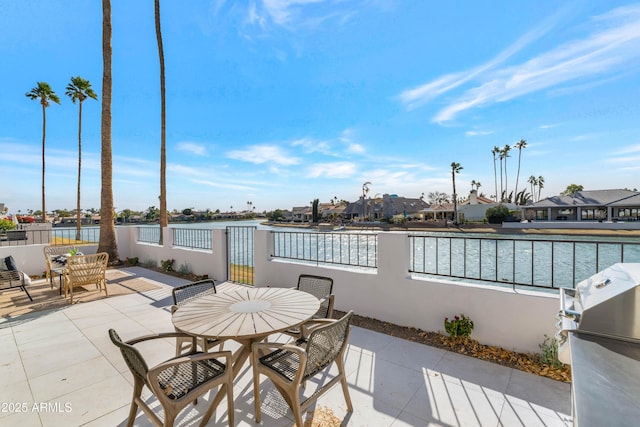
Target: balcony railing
{"points": [[350, 249], [149, 235], [517, 262], [194, 238]]}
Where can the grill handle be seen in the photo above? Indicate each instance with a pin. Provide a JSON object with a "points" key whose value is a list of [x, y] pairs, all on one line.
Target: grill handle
{"points": [[568, 312]]}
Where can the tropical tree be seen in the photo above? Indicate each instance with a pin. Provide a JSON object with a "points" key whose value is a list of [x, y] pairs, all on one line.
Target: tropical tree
{"points": [[504, 154], [107, 241], [533, 181], [45, 94], [571, 189], [314, 210], [78, 90], [455, 168], [163, 125], [437, 198], [496, 151], [365, 191], [540, 185], [519, 145]]}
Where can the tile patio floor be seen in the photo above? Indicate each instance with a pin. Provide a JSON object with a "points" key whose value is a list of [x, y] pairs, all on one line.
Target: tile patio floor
{"points": [[61, 367]]}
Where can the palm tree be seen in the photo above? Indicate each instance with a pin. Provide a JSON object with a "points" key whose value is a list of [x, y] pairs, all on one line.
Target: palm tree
{"points": [[496, 150], [473, 184], [534, 183], [45, 94], [519, 145], [78, 90], [365, 191], [504, 155], [107, 241], [540, 186], [455, 168], [164, 222]]}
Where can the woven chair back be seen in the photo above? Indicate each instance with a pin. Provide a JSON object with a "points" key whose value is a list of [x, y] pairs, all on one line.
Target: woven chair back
{"points": [[185, 293], [320, 287], [86, 269], [325, 344], [134, 360]]}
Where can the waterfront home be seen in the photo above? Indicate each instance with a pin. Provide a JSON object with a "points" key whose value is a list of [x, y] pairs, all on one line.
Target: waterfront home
{"points": [[593, 205]]}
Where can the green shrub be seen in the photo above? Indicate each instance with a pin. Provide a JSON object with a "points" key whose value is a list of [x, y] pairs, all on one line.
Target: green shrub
{"points": [[460, 326], [167, 264], [549, 352], [497, 214]]}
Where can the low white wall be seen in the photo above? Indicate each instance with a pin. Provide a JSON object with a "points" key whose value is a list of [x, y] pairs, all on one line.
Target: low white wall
{"points": [[512, 320], [588, 225]]}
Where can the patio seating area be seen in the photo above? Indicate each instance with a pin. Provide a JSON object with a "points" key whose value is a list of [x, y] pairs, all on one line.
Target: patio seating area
{"points": [[60, 368]]}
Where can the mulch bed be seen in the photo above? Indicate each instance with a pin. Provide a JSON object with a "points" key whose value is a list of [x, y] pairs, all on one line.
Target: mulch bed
{"points": [[522, 361]]}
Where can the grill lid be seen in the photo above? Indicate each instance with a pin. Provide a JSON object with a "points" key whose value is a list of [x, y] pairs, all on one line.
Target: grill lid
{"points": [[608, 303], [609, 283]]}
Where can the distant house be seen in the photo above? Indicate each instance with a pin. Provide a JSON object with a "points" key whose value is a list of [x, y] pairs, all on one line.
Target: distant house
{"points": [[595, 205], [389, 206]]}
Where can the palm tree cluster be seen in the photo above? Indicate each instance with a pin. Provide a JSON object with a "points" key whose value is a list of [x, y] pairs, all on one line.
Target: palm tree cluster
{"points": [[504, 195], [78, 89]]}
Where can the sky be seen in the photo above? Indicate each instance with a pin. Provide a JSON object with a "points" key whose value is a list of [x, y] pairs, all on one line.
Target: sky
{"points": [[280, 102]]}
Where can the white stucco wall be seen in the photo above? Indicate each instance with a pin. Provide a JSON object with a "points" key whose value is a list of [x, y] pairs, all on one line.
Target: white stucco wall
{"points": [[515, 320]]}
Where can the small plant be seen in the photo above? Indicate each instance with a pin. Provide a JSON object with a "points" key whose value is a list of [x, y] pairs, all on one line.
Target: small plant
{"points": [[460, 326], [131, 261], [184, 269], [74, 251], [167, 264], [149, 263], [549, 353]]}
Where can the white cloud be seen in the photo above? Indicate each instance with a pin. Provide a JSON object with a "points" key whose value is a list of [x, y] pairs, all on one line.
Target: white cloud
{"points": [[259, 154], [332, 170], [478, 132], [310, 145], [355, 148], [629, 149], [192, 147], [223, 185], [612, 47]]}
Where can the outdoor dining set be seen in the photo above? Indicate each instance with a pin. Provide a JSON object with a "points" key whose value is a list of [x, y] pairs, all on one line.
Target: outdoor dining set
{"points": [[205, 319]]}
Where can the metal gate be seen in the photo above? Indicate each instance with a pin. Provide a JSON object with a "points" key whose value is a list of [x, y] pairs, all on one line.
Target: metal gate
{"points": [[240, 254]]}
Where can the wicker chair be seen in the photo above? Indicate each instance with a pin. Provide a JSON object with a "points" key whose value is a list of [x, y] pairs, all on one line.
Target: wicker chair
{"points": [[85, 270], [183, 294], [52, 266], [289, 366], [177, 381], [320, 287]]}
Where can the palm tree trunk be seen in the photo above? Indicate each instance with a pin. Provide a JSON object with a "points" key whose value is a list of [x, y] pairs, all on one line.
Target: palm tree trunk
{"points": [[518, 175], [163, 126], [495, 176], [44, 133], [501, 186], [79, 170], [107, 242]]}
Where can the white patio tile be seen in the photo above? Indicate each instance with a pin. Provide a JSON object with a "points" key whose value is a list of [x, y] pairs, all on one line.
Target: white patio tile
{"points": [[487, 377], [66, 380], [66, 356], [87, 404], [19, 393], [46, 356], [544, 395], [449, 403]]}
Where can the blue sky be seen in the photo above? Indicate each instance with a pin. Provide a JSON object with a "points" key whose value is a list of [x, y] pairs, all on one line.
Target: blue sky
{"points": [[279, 102]]}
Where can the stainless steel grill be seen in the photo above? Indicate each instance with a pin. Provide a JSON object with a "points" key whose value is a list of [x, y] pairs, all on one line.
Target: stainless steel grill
{"points": [[599, 335]]}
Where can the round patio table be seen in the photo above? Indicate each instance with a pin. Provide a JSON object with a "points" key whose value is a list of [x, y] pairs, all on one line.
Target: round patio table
{"points": [[245, 315]]}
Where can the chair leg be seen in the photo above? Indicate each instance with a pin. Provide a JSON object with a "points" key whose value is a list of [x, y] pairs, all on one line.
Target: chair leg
{"points": [[137, 392], [297, 411], [343, 381], [230, 411], [256, 390]]}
